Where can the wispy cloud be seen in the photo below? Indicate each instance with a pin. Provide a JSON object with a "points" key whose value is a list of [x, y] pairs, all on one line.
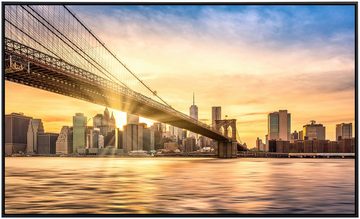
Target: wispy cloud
{"points": [[251, 60]]}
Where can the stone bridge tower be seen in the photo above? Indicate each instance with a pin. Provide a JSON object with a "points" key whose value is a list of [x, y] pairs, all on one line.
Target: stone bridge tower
{"points": [[227, 127]]}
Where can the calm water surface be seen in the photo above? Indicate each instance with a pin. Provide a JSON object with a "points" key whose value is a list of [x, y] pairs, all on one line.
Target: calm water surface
{"points": [[178, 185]]}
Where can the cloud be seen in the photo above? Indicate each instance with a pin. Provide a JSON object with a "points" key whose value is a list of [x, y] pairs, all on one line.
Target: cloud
{"points": [[249, 60], [324, 82]]}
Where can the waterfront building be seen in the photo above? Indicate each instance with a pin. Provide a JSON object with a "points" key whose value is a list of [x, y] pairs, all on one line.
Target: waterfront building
{"points": [[166, 134], [79, 131], [266, 144], [204, 141], [140, 134], [101, 141], [161, 127], [104, 122], [133, 137], [294, 136], [93, 138], [98, 122], [178, 132], [215, 115], [64, 142], [279, 125], [343, 131], [314, 131], [16, 127], [184, 134], [313, 146], [120, 139], [35, 127], [301, 135], [259, 144], [273, 126], [189, 144], [157, 137], [171, 130], [47, 143], [88, 138], [149, 139], [110, 139]]}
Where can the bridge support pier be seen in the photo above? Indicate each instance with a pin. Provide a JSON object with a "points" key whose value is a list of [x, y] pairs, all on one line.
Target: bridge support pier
{"points": [[227, 149]]}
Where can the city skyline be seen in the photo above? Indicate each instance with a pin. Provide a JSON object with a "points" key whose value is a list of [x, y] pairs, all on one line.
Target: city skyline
{"points": [[315, 63], [243, 103]]}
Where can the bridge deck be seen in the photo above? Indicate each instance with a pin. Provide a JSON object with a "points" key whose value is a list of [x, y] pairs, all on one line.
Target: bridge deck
{"points": [[33, 68]]}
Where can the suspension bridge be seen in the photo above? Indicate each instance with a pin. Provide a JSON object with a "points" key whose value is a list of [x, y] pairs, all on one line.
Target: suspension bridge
{"points": [[50, 48]]}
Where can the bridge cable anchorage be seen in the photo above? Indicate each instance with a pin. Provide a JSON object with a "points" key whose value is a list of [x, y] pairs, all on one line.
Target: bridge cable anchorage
{"points": [[103, 44], [72, 44]]}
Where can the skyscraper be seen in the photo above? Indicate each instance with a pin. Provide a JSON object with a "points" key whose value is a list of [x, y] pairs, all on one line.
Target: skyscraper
{"points": [[133, 135], [273, 126], [189, 144], [161, 127], [279, 125], [259, 144], [93, 137], [35, 127], [215, 115], [343, 131], [47, 143], [104, 122], [148, 142], [294, 136], [284, 125], [172, 130], [79, 131], [194, 109], [194, 115], [314, 131], [64, 142], [16, 126], [301, 135]]}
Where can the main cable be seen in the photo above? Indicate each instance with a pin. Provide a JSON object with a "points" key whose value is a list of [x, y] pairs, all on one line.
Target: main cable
{"points": [[112, 54]]}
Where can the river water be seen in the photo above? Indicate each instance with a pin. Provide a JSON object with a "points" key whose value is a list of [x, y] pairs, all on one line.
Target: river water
{"points": [[62, 185]]}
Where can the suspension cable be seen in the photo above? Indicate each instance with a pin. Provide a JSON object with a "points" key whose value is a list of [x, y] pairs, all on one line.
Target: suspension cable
{"points": [[112, 54], [32, 38], [67, 43]]}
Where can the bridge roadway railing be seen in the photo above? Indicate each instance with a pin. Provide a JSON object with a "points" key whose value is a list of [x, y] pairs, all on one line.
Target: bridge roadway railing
{"points": [[34, 55]]}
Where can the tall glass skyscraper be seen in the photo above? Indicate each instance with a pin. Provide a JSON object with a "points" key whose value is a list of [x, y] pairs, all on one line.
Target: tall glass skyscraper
{"points": [[79, 131], [273, 126], [279, 125], [343, 131], [215, 114], [194, 109], [193, 114]]}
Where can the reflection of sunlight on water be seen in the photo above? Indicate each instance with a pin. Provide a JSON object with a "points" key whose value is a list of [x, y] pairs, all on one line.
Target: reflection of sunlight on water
{"points": [[178, 185]]}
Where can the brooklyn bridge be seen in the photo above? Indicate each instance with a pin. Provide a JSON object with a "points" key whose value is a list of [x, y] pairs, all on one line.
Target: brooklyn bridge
{"points": [[50, 48]]}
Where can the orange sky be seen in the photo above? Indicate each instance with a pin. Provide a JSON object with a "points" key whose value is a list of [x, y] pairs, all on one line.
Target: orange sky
{"points": [[249, 73]]}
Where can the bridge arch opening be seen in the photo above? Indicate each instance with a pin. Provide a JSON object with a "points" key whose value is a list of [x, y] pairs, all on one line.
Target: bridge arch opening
{"points": [[229, 132], [222, 130]]}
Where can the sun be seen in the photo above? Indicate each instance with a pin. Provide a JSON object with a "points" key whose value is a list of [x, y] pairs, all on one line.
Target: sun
{"points": [[120, 118]]}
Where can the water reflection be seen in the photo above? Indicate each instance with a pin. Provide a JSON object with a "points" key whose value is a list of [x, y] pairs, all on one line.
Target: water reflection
{"points": [[178, 185]]}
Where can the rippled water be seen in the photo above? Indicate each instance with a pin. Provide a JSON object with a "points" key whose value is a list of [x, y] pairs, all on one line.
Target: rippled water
{"points": [[178, 185]]}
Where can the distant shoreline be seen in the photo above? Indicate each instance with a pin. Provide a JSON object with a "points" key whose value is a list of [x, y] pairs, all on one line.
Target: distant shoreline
{"points": [[240, 155]]}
